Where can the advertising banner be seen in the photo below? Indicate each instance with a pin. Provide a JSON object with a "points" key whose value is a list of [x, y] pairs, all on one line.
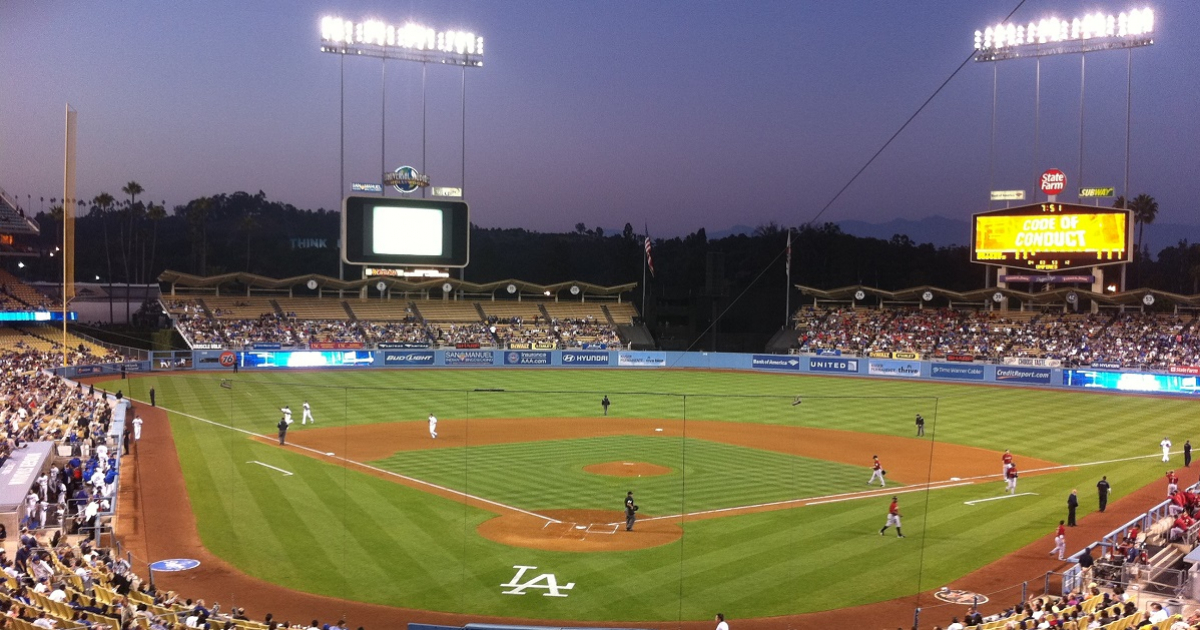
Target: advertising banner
{"points": [[526, 358], [469, 357], [595, 346], [775, 362], [584, 359], [1131, 382], [520, 346], [1032, 361], [1038, 376], [1184, 369], [906, 355], [206, 346], [957, 371], [473, 345], [907, 369], [829, 352], [335, 345], [642, 359], [266, 346], [1106, 365], [880, 355], [820, 364], [402, 345], [408, 358], [960, 358]]}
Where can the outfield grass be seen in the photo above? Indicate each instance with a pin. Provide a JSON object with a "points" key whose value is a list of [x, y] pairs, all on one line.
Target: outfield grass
{"points": [[336, 532]]}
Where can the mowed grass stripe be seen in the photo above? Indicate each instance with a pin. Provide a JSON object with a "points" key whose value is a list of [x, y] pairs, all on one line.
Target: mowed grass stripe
{"points": [[549, 475]]}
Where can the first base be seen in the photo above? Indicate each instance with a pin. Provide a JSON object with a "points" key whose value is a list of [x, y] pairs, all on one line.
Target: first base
{"points": [[659, 430]]}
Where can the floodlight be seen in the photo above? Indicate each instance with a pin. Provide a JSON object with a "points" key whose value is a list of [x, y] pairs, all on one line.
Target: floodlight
{"points": [[1087, 33], [412, 42]]}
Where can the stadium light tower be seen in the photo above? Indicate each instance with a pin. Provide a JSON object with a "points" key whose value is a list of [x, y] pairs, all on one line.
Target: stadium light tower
{"points": [[406, 42], [1093, 32]]}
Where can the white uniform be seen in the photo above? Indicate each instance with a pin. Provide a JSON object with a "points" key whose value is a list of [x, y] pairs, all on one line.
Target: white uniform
{"points": [[137, 428], [433, 426], [1060, 546], [877, 473], [287, 414], [1166, 446], [307, 414]]}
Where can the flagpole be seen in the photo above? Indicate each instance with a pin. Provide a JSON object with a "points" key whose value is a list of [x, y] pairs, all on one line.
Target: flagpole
{"points": [[787, 308], [644, 265]]}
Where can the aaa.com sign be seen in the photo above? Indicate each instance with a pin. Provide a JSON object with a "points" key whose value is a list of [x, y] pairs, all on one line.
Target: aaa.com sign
{"points": [[1054, 182]]}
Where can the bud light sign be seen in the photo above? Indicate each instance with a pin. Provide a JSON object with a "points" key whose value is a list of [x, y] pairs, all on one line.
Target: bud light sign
{"points": [[408, 358], [526, 358], [818, 364], [584, 359]]}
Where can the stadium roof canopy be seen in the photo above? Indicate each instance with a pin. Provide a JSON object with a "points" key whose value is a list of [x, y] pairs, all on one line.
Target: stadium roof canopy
{"points": [[251, 283], [1054, 297]]}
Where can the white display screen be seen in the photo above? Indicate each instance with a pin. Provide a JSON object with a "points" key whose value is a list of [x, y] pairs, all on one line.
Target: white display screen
{"points": [[406, 231]]}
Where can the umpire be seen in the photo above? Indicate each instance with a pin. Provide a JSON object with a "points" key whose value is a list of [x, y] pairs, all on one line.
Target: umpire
{"points": [[631, 509]]}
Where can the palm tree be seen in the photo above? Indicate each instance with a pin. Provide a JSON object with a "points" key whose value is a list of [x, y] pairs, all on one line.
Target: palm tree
{"points": [[1145, 210], [155, 214], [197, 215], [102, 205]]}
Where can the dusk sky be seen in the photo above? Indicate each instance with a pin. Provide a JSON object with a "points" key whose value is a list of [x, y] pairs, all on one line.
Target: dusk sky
{"points": [[678, 115]]}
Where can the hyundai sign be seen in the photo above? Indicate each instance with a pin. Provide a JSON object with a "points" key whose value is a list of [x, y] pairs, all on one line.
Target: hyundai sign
{"points": [[584, 358]]}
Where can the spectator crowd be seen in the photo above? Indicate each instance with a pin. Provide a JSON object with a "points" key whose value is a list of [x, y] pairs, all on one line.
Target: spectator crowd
{"points": [[1129, 339]]}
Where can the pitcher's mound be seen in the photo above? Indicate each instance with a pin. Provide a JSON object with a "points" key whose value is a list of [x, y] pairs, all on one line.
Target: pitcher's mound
{"points": [[626, 469], [579, 530]]}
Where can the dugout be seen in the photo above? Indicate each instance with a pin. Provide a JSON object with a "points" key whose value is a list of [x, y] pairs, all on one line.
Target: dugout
{"points": [[17, 476]]}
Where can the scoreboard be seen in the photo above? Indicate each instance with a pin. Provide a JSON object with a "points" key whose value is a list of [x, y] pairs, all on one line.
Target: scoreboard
{"points": [[1052, 236]]}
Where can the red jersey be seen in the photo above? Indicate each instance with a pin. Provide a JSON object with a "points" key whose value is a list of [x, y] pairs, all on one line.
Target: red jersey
{"points": [[1172, 477], [1006, 458], [1012, 472], [894, 509], [1062, 531], [876, 465]]}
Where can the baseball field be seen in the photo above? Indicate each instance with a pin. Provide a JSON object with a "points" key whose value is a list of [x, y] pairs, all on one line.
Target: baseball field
{"points": [[749, 503]]}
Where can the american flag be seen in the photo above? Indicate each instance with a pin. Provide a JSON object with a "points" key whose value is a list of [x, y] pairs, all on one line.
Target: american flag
{"points": [[649, 258]]}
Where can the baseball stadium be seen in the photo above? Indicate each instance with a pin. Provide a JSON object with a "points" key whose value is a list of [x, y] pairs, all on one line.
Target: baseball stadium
{"points": [[400, 446]]}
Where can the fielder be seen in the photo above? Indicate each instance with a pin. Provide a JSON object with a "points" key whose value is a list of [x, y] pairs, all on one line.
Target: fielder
{"points": [[877, 472], [307, 415], [1166, 447], [1006, 460], [893, 518], [1060, 541], [432, 426], [1010, 478], [287, 414]]}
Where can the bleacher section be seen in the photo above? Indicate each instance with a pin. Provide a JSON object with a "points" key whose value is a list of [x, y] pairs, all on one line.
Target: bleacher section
{"points": [[380, 310], [18, 296], [312, 308], [241, 307]]}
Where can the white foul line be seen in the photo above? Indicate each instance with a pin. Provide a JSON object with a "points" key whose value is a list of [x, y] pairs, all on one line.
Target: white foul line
{"points": [[1003, 496], [289, 474], [373, 468]]}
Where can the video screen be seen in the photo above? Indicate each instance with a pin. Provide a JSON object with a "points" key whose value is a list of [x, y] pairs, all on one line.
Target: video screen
{"points": [[1128, 382], [379, 231], [310, 358], [406, 231]]}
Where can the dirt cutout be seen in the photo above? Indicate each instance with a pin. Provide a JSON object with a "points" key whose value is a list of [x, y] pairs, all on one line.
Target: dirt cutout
{"points": [[627, 469]]}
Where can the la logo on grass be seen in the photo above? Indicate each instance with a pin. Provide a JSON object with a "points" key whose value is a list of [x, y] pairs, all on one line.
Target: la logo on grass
{"points": [[545, 581]]}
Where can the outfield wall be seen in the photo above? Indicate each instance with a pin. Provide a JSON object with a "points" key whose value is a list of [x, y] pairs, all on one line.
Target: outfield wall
{"points": [[904, 369]]}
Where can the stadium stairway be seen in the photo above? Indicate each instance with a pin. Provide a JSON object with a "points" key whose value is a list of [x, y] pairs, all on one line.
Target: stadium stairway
{"points": [[417, 313], [544, 312], [207, 311], [277, 308], [349, 311], [636, 336], [608, 315], [479, 309], [783, 341]]}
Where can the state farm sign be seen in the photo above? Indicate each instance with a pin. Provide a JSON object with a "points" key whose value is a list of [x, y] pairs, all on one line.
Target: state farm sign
{"points": [[1054, 182]]}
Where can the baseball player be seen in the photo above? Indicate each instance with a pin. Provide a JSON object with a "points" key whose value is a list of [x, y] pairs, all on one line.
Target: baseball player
{"points": [[631, 509], [307, 415], [1006, 460], [920, 425], [877, 472], [1166, 447], [1010, 478], [1172, 483], [137, 428], [287, 414], [1060, 541], [432, 426], [893, 518]]}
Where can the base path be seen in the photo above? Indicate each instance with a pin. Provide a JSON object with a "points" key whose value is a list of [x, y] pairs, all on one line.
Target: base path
{"points": [[155, 521]]}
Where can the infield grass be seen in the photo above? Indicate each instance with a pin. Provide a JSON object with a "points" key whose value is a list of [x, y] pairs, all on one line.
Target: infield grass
{"points": [[340, 533]]}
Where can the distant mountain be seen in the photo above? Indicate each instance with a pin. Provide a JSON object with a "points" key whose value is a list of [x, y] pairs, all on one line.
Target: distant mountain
{"points": [[937, 230]]}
